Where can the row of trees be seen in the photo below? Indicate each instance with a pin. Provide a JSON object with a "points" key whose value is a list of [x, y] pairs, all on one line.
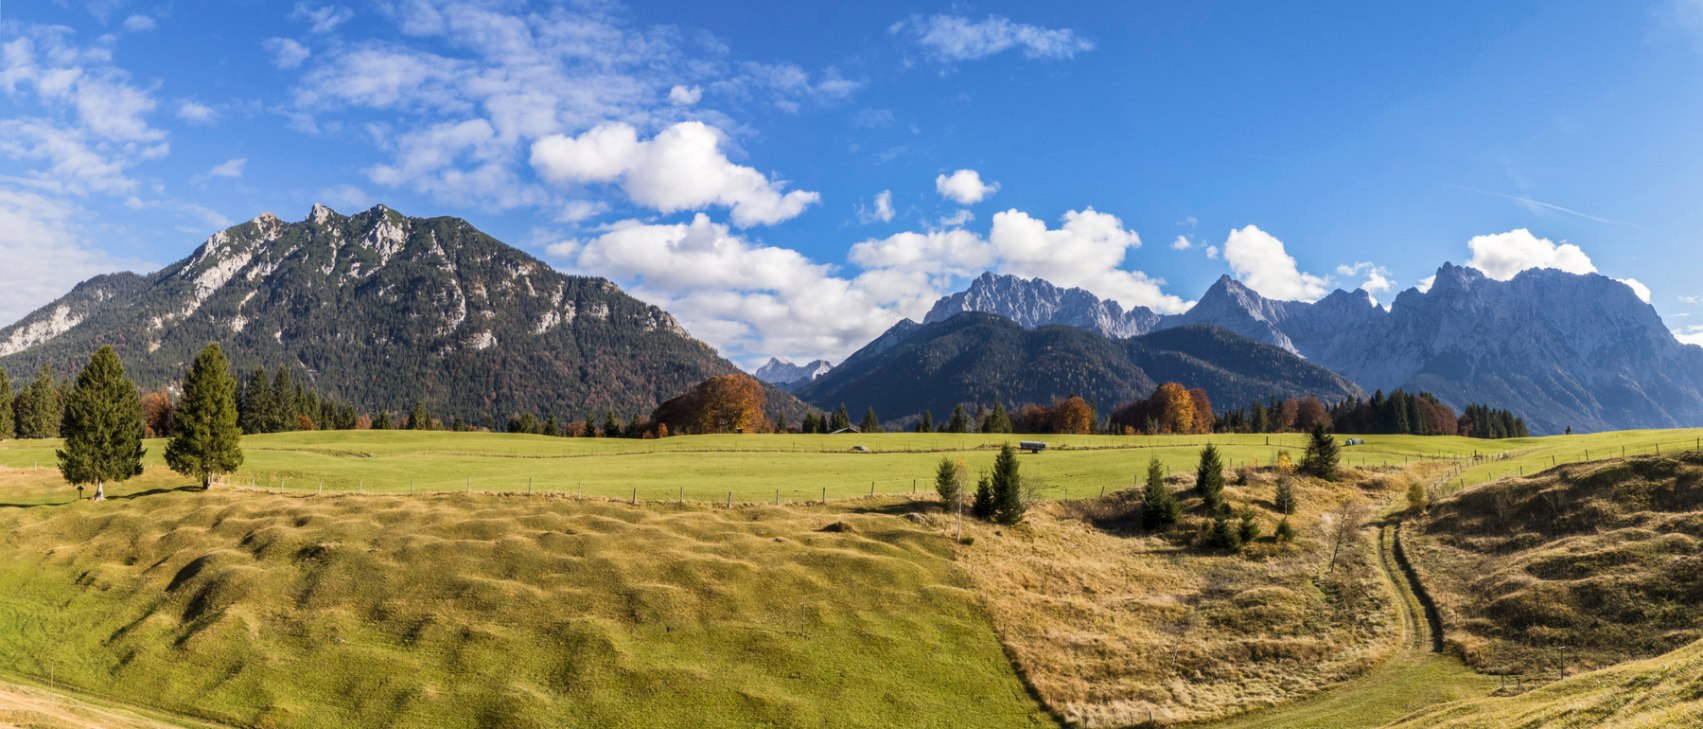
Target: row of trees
{"points": [[103, 424], [999, 497], [1172, 409], [1293, 415]]}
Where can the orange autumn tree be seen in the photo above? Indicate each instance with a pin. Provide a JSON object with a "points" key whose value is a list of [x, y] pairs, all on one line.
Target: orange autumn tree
{"points": [[1073, 415], [723, 404], [157, 411], [1204, 418]]}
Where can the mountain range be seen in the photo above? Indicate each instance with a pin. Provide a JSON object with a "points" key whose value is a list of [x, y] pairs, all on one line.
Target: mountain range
{"points": [[977, 358], [1562, 350], [381, 309], [787, 375]]}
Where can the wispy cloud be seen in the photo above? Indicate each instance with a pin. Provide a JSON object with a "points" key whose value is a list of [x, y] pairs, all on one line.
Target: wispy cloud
{"points": [[1536, 205]]}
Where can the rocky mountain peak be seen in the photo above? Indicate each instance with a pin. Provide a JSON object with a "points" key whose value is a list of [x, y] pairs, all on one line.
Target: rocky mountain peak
{"points": [[779, 371], [1037, 302]]}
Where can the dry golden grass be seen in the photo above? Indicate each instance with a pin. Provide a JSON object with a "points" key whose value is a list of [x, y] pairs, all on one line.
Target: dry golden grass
{"points": [[1113, 626], [28, 707], [1588, 564]]}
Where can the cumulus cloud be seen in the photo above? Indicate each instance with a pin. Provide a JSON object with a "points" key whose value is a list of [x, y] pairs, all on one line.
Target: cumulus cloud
{"points": [[287, 53], [964, 187], [748, 297], [1690, 335], [681, 168], [196, 112], [1502, 256], [45, 256], [685, 95], [1259, 260], [1088, 250], [881, 213], [139, 23], [1425, 284], [954, 38], [1182, 243], [1376, 278]]}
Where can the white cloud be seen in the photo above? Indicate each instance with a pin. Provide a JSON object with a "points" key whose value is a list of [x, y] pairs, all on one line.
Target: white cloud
{"points": [[196, 112], [1212, 252], [1690, 335], [957, 219], [747, 297], [1259, 260], [1377, 278], [1088, 250], [1501, 256], [883, 211], [953, 38], [322, 19], [44, 254], [231, 169], [964, 187], [1637, 287], [287, 53], [1692, 300], [577, 211], [1182, 243], [954, 252], [685, 95], [139, 23], [681, 168], [1426, 283]]}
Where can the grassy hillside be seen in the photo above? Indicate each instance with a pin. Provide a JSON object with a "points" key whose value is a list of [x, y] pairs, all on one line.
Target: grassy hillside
{"points": [[450, 611], [1657, 692], [1578, 567], [708, 468]]}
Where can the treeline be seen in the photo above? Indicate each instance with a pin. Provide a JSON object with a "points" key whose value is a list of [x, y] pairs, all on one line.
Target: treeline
{"points": [[1398, 413], [277, 404]]}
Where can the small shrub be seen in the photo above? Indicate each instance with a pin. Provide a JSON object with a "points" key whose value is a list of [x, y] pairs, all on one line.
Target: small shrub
{"points": [[1285, 500], [1416, 497], [1249, 527], [1285, 533]]}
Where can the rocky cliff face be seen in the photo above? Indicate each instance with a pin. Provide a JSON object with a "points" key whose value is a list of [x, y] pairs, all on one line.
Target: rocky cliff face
{"points": [[380, 309], [782, 372], [1561, 350], [1035, 302]]}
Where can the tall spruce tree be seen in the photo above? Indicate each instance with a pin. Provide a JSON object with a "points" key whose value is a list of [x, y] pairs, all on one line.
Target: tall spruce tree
{"points": [[841, 420], [871, 424], [1322, 454], [102, 426], [1008, 504], [999, 421], [1209, 478], [254, 410], [983, 505], [1285, 501], [1158, 505], [40, 407], [960, 422], [8, 426], [284, 410], [205, 438], [419, 419], [926, 424]]}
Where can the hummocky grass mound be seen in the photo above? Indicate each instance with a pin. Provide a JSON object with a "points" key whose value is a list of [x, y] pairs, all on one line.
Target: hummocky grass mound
{"points": [[515, 611], [1117, 626], [1579, 567], [1654, 693]]}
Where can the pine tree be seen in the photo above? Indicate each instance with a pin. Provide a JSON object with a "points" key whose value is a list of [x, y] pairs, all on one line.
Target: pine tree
{"points": [[283, 402], [1008, 503], [611, 426], [1322, 453], [949, 482], [550, 427], [1209, 478], [1249, 528], [1285, 531], [254, 406], [1285, 500], [841, 420], [205, 438], [102, 426], [870, 423], [419, 419], [960, 422], [780, 422], [926, 424], [382, 422], [1158, 505], [982, 506], [997, 422], [8, 428], [40, 407], [1224, 535]]}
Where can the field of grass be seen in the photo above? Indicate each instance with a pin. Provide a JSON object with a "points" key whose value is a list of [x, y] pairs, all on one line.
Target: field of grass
{"points": [[1655, 693], [745, 468], [275, 610], [1579, 567], [1517, 457]]}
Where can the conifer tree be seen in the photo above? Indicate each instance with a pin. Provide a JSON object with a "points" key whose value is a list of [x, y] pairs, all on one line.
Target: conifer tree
{"points": [[841, 420], [1209, 478], [205, 438], [1285, 500], [1158, 505], [103, 426], [949, 482], [1249, 528], [1008, 506], [419, 419], [982, 506], [39, 407], [926, 424], [999, 421], [1322, 454], [870, 423], [382, 422], [960, 422], [1285, 531], [780, 422], [8, 428], [284, 410], [254, 408], [611, 426]]}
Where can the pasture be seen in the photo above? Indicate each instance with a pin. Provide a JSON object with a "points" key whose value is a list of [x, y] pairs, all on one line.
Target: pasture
{"points": [[767, 468]]}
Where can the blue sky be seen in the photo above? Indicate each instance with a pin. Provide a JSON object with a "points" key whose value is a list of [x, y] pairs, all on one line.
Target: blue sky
{"points": [[791, 178]]}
